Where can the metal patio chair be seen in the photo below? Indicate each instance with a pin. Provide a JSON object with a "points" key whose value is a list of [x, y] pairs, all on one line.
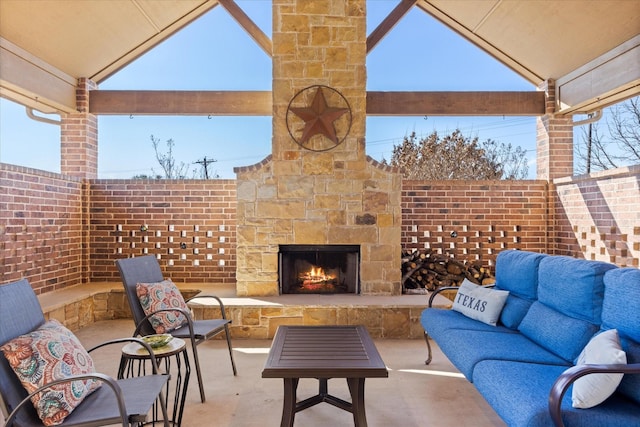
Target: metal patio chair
{"points": [[126, 401], [145, 269]]}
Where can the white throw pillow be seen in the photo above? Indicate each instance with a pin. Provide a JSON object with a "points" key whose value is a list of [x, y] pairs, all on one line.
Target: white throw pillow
{"points": [[480, 303], [593, 389]]}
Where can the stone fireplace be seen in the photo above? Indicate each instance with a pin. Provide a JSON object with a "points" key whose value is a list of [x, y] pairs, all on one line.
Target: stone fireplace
{"points": [[325, 190]]}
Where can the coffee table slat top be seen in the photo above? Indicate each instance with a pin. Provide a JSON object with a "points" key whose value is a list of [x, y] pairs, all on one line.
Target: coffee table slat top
{"points": [[323, 352]]}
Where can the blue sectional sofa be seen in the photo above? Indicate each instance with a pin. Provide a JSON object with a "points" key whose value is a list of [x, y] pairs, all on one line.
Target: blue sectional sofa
{"points": [[525, 365]]}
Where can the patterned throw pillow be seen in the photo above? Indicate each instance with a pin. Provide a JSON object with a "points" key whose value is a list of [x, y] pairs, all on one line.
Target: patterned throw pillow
{"points": [[162, 295], [51, 352]]}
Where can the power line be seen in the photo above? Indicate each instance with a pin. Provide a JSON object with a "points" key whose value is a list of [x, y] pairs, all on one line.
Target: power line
{"points": [[205, 163]]}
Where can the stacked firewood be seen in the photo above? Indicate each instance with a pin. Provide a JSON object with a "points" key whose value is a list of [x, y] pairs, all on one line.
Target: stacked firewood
{"points": [[430, 270]]}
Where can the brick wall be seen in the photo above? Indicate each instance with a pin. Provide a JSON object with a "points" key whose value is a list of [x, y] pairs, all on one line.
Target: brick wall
{"points": [[40, 228], [41, 223], [598, 217], [474, 219], [190, 224]]}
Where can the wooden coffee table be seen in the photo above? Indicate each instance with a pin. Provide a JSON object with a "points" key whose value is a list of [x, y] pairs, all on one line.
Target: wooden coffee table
{"points": [[323, 352]]}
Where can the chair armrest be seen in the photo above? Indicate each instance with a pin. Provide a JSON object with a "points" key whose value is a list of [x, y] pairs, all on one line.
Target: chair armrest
{"points": [[218, 300], [449, 288], [154, 363], [568, 377], [105, 379], [437, 291]]}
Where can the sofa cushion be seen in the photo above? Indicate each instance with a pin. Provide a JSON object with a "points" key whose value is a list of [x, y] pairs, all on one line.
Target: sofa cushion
{"points": [[479, 303], [465, 348], [514, 311], [50, 353], [573, 287], [440, 321], [158, 296], [519, 393], [620, 311], [560, 334], [517, 272], [592, 390]]}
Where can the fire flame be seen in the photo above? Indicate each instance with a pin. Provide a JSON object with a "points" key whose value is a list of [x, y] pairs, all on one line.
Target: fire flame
{"points": [[316, 275]]}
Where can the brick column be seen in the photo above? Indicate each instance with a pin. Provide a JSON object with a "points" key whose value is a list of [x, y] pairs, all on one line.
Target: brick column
{"points": [[554, 139], [79, 136]]}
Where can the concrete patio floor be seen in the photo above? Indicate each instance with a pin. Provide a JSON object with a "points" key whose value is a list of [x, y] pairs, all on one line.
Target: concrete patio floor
{"points": [[414, 394]]}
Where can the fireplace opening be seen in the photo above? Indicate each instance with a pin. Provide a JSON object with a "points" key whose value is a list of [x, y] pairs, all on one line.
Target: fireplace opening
{"points": [[319, 269]]}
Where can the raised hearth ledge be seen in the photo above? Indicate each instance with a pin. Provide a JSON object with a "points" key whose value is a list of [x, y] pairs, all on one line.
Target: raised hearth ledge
{"points": [[253, 317]]}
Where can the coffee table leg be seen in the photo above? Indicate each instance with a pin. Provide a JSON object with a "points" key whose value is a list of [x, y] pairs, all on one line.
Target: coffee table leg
{"points": [[356, 388], [289, 406]]}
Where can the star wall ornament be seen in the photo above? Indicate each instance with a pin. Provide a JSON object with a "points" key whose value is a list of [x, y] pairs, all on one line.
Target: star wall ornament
{"points": [[319, 118]]}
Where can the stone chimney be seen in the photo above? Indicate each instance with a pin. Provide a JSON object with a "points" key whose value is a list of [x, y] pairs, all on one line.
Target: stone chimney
{"points": [[318, 187]]}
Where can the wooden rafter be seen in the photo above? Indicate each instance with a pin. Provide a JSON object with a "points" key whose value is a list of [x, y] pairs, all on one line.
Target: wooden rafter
{"points": [[388, 23], [249, 26]]}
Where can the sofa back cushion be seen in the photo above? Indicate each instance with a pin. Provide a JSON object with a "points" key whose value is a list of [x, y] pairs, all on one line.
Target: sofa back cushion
{"points": [[517, 272], [562, 335], [573, 286], [569, 307], [620, 310]]}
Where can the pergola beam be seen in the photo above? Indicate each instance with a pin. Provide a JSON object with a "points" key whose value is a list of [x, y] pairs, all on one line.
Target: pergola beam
{"points": [[180, 103], [259, 103], [455, 103]]}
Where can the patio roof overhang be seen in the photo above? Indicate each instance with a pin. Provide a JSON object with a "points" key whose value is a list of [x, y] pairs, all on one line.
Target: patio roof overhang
{"points": [[591, 49]]}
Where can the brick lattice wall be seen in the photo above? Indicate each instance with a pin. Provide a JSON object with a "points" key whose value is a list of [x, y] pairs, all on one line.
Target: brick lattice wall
{"points": [[474, 220], [40, 228], [189, 224], [42, 217], [598, 216]]}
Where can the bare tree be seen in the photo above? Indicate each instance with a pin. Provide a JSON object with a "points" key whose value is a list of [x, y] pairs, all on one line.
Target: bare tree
{"points": [[615, 146], [455, 156], [168, 162]]}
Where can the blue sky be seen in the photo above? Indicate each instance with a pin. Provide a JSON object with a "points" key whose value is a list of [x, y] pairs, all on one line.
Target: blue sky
{"points": [[214, 53]]}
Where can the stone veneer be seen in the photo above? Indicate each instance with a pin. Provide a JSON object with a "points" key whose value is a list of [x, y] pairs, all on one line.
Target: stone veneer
{"points": [[339, 196], [80, 306]]}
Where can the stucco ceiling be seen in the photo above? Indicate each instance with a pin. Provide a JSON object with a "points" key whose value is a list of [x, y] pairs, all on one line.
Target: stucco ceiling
{"points": [[46, 45]]}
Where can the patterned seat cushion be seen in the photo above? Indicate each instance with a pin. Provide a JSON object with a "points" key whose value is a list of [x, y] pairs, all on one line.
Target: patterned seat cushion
{"points": [[49, 353]]}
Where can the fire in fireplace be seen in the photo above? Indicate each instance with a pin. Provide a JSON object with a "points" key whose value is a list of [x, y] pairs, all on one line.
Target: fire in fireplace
{"points": [[319, 269]]}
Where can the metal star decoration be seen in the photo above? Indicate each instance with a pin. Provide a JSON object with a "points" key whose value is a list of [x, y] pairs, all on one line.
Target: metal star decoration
{"points": [[319, 118]]}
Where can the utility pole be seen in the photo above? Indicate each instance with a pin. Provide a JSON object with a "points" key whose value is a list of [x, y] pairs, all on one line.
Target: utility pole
{"points": [[205, 163]]}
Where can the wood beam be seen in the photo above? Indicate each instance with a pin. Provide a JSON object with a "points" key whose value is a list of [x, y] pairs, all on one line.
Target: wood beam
{"points": [[388, 23], [249, 26], [455, 103], [194, 103], [259, 103]]}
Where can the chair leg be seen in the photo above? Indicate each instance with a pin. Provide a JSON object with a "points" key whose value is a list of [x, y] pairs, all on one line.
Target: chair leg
{"points": [[228, 335], [196, 359], [426, 338]]}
